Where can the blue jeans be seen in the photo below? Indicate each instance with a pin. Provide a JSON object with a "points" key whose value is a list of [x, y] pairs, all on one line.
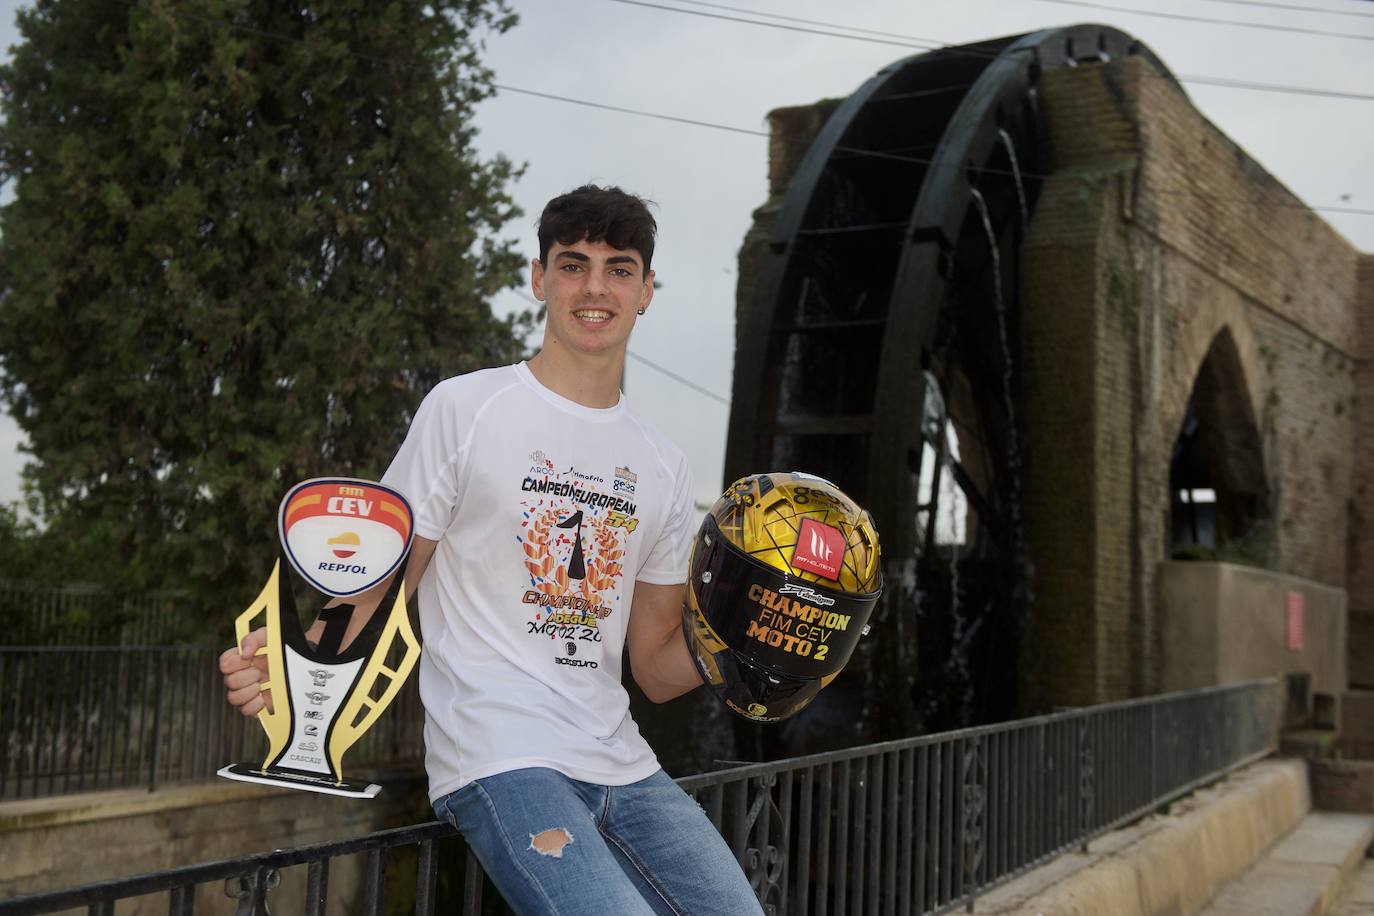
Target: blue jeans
{"points": [[555, 845]]}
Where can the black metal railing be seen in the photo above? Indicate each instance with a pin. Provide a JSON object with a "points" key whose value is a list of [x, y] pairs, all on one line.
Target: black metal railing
{"points": [[81, 718], [916, 826], [87, 614]]}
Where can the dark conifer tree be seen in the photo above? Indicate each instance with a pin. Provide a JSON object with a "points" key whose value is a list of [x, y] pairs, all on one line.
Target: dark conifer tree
{"points": [[247, 236]]}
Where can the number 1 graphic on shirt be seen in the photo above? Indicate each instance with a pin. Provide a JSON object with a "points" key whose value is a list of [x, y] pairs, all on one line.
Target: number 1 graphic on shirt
{"points": [[577, 569]]}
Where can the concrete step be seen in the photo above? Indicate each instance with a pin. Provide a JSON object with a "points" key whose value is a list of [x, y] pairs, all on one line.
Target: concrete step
{"points": [[1170, 863], [1359, 894], [1305, 873], [1357, 724], [1310, 743]]}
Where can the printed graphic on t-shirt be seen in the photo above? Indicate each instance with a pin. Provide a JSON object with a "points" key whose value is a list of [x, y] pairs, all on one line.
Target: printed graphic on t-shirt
{"points": [[574, 535]]}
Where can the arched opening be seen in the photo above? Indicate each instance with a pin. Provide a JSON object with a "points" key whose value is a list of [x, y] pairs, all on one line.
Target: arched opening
{"points": [[1219, 505]]}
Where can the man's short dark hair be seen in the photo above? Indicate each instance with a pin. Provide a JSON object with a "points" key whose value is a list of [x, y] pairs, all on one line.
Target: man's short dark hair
{"points": [[609, 215]]}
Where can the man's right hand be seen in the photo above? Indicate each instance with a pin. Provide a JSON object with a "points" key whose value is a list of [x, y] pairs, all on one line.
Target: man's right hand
{"points": [[243, 672]]}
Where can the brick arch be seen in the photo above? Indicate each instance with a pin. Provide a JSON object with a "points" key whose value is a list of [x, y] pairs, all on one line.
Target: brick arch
{"points": [[1222, 402], [1200, 314]]}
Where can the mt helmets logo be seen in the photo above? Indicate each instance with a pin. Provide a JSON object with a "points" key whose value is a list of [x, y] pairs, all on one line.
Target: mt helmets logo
{"points": [[344, 536], [820, 549]]}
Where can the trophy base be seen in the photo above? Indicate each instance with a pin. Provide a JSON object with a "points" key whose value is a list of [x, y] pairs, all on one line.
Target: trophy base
{"points": [[348, 788]]}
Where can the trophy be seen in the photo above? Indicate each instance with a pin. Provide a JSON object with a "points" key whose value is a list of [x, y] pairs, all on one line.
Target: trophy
{"points": [[343, 537]]}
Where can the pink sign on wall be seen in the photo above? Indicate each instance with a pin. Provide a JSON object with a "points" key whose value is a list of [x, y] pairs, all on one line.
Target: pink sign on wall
{"points": [[1295, 607]]}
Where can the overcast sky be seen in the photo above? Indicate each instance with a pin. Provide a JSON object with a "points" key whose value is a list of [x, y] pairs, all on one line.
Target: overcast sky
{"points": [[707, 181]]}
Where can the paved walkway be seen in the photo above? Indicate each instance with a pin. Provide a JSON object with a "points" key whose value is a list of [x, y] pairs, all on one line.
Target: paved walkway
{"points": [[1305, 873], [1359, 893]]}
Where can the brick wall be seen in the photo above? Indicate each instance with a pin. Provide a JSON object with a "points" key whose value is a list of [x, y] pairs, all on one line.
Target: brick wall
{"points": [[1361, 512], [1078, 324], [1209, 202], [1182, 236], [1153, 235]]}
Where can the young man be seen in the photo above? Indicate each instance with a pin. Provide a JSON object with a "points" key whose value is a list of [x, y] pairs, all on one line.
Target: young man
{"points": [[553, 528]]}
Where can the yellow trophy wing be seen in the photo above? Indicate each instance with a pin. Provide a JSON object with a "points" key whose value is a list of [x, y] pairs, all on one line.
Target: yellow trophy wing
{"points": [[276, 723], [361, 711]]}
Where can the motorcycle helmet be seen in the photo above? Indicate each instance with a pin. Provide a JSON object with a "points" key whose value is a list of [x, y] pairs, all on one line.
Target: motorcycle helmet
{"points": [[783, 576]]}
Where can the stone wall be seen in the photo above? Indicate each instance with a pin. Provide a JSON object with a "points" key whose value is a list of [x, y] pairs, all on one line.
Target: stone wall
{"points": [[1157, 241], [1361, 512], [1079, 326], [1154, 235], [53, 843], [1222, 623]]}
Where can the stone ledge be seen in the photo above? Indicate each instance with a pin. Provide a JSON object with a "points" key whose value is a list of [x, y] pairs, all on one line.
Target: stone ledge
{"points": [[1358, 899], [1169, 864], [1342, 785], [63, 842], [30, 813], [112, 803], [1305, 872]]}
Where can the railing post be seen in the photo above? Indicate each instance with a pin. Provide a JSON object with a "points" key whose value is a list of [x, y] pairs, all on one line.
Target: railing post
{"points": [[251, 891], [765, 863], [1086, 781], [155, 738], [1154, 750], [472, 885], [972, 802]]}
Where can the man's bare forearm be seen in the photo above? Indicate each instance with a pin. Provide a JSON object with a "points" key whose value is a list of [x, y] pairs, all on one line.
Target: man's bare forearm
{"points": [[671, 671], [365, 604]]}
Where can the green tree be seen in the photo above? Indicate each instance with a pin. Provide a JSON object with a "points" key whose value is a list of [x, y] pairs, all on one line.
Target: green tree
{"points": [[247, 236]]}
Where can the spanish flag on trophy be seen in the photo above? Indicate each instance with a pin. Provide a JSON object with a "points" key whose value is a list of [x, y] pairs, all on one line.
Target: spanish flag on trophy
{"points": [[342, 536]]}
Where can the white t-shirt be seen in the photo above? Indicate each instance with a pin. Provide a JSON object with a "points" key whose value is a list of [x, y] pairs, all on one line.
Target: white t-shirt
{"points": [[546, 513]]}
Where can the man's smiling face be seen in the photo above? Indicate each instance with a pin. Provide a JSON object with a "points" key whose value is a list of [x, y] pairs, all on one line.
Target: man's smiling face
{"points": [[592, 292]]}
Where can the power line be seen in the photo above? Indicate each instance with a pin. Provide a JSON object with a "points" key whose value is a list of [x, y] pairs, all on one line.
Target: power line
{"points": [[1271, 87], [659, 116], [830, 25], [915, 160], [1206, 195], [901, 43], [677, 378], [1134, 11], [704, 392], [1290, 6], [917, 43]]}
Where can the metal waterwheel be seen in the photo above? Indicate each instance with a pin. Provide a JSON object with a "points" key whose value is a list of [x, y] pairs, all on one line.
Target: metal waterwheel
{"points": [[880, 350]]}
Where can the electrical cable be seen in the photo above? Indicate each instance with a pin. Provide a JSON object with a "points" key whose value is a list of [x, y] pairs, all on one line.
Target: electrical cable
{"points": [[1182, 17], [677, 378], [1291, 6], [895, 157], [918, 43], [830, 25], [901, 42], [705, 392], [915, 160], [1226, 83], [659, 116]]}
